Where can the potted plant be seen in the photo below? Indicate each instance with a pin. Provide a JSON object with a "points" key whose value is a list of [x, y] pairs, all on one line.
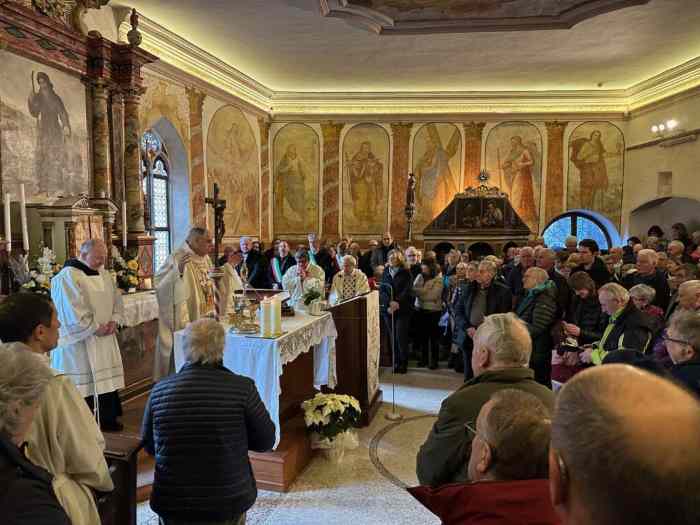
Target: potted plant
{"points": [[127, 272], [331, 418], [313, 292]]}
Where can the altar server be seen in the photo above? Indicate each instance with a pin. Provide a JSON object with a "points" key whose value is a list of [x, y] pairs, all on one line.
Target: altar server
{"points": [[230, 283], [348, 283], [185, 293], [299, 278], [89, 307]]}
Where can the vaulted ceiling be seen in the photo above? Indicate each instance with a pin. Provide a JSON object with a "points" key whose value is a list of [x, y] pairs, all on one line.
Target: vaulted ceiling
{"points": [[290, 46]]}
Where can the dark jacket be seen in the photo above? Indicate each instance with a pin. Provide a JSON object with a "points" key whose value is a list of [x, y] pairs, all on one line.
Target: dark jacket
{"points": [[285, 264], [498, 301], [200, 424], [539, 313], [633, 330], [563, 292], [598, 272], [323, 259], [515, 281], [443, 457], [688, 374], [257, 269], [26, 494], [589, 317], [402, 289], [365, 263], [657, 281], [381, 253]]}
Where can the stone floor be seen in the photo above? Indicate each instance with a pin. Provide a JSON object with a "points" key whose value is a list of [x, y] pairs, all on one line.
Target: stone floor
{"points": [[367, 487]]}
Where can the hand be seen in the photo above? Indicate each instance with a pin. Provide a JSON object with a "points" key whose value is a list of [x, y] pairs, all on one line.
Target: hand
{"points": [[471, 331], [572, 329], [571, 359], [303, 274], [183, 262], [586, 355], [103, 330], [393, 306]]}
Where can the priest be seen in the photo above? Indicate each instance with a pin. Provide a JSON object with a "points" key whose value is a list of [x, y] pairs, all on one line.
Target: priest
{"points": [[230, 283], [349, 282], [185, 293], [302, 277], [89, 308], [280, 263]]}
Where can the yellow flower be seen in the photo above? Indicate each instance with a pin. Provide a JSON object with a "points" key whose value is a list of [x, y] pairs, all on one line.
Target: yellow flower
{"points": [[133, 265], [133, 280]]}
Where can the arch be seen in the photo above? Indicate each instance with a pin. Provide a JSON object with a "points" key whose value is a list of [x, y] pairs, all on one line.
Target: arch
{"points": [[179, 179], [479, 250], [665, 211], [573, 221]]}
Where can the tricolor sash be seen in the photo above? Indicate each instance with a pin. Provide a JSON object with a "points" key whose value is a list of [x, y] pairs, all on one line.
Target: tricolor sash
{"points": [[277, 270]]}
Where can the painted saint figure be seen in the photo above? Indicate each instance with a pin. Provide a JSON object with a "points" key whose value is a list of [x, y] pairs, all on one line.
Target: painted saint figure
{"points": [[53, 127], [588, 155], [436, 184], [289, 197], [518, 167], [492, 216], [366, 185]]}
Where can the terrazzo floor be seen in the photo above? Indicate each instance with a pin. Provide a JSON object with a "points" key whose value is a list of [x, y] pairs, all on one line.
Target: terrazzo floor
{"points": [[367, 487]]}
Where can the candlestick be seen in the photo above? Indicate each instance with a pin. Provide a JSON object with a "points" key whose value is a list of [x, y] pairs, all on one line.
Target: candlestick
{"points": [[23, 218], [8, 226], [124, 227]]}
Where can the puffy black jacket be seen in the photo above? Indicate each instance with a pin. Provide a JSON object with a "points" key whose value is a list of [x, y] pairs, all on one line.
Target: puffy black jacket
{"points": [[589, 317], [633, 330], [200, 424], [539, 313]]}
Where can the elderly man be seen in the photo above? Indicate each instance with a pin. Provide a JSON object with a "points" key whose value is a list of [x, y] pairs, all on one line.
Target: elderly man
{"points": [[64, 437], [515, 277], [380, 255], [365, 261], [280, 263], [321, 257], [624, 450], [677, 276], [203, 475], [303, 274], [185, 293], [591, 263], [648, 274], [253, 266], [686, 299], [483, 297], [89, 307], [507, 468], [502, 349], [349, 282], [683, 344], [546, 259], [571, 244], [412, 261], [628, 328]]}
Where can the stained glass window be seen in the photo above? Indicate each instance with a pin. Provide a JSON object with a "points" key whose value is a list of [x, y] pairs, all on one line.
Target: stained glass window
{"points": [[150, 143], [587, 229], [156, 192], [161, 247], [578, 224], [557, 232]]}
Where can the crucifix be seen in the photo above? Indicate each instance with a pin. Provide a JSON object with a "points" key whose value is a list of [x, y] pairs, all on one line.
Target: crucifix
{"points": [[219, 206], [410, 209]]}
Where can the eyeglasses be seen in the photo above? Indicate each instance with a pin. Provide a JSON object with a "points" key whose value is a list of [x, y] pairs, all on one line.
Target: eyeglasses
{"points": [[471, 428], [667, 339]]}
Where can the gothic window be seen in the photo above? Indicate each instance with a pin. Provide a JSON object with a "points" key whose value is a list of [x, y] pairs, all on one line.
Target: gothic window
{"points": [[155, 170], [579, 224]]}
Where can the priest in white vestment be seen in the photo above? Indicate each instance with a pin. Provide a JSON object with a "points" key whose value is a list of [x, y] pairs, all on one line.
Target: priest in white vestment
{"points": [[89, 308], [64, 437], [349, 282], [185, 293], [301, 277], [230, 283]]}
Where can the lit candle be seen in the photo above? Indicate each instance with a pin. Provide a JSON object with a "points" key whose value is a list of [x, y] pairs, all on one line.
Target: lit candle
{"points": [[8, 227], [23, 218], [124, 227]]}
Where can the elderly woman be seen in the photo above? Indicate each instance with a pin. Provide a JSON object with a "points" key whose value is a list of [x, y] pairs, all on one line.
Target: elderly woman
{"points": [[427, 288], [538, 309], [301, 277], [26, 494], [396, 300], [200, 424], [349, 282], [643, 295]]}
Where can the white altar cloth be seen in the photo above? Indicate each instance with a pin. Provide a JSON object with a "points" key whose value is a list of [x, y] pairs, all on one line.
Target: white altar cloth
{"points": [[262, 359], [140, 307]]}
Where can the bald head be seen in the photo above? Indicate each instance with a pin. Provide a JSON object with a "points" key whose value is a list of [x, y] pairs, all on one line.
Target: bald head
{"points": [[625, 449]]}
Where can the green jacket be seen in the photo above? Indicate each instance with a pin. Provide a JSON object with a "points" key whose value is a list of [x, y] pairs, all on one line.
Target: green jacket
{"points": [[444, 456]]}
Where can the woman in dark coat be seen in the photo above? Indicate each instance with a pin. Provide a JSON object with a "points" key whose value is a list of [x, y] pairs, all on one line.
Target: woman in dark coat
{"points": [[396, 297]]}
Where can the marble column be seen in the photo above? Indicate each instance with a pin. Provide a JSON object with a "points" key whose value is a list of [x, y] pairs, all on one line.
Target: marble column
{"points": [[331, 178], [116, 119], [102, 178], [473, 132], [554, 193], [132, 162], [197, 175], [401, 133], [265, 211]]}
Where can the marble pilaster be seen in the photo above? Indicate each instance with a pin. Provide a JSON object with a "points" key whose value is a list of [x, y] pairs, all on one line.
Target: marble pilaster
{"points": [[473, 132], [265, 211], [401, 133], [197, 175], [132, 162], [102, 176], [331, 178], [554, 193]]}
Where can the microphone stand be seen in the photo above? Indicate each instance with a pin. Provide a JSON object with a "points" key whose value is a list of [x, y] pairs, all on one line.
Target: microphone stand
{"points": [[393, 415]]}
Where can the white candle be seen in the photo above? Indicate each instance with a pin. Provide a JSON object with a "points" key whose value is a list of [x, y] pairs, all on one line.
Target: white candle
{"points": [[8, 227], [124, 227], [276, 315], [23, 218]]}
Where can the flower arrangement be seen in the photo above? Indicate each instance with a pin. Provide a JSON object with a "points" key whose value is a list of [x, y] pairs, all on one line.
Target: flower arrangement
{"points": [[39, 279], [330, 415], [313, 290], [127, 271]]}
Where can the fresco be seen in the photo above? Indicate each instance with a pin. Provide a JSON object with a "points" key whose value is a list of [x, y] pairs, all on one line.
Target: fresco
{"points": [[596, 169], [43, 130], [514, 161], [233, 161], [164, 99], [365, 177], [437, 154], [295, 163]]}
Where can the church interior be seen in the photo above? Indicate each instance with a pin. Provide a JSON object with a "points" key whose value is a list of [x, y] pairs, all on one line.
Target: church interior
{"points": [[247, 160]]}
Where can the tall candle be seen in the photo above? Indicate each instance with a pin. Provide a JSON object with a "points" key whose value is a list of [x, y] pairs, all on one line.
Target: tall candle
{"points": [[8, 227], [23, 218], [124, 227]]}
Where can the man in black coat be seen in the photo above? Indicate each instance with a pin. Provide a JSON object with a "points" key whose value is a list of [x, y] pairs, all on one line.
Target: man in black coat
{"points": [[515, 277], [396, 297], [255, 264], [479, 299], [280, 263], [546, 259], [380, 254], [320, 256], [365, 260], [683, 345], [591, 263], [648, 274]]}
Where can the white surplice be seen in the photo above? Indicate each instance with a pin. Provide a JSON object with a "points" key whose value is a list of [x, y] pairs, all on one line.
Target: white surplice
{"points": [[83, 303], [346, 287], [231, 282], [293, 283], [181, 299]]}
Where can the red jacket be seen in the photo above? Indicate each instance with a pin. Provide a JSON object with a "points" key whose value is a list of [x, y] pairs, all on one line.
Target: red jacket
{"points": [[523, 502]]}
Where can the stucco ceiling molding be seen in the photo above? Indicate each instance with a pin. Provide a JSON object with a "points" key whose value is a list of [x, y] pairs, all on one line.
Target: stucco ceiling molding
{"points": [[453, 16], [669, 83]]}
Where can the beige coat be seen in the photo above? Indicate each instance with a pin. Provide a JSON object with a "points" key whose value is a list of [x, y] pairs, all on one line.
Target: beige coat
{"points": [[428, 294]]}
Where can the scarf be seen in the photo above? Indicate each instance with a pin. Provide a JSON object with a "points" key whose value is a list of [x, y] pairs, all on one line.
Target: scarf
{"points": [[532, 293]]}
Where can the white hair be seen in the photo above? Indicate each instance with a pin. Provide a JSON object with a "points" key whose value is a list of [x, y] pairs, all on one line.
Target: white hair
{"points": [[24, 376], [196, 231], [490, 266], [351, 259], [616, 291], [507, 339], [677, 244], [571, 239], [203, 341], [90, 244], [643, 291], [540, 274], [648, 252]]}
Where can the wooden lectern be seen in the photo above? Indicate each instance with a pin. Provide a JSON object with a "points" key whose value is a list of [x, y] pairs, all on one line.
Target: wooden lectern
{"points": [[357, 352]]}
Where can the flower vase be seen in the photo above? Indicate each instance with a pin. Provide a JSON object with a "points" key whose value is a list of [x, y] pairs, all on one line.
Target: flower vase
{"points": [[335, 454]]}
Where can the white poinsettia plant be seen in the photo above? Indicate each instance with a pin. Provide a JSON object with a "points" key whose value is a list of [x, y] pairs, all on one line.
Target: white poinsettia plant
{"points": [[39, 279], [313, 290], [331, 415]]}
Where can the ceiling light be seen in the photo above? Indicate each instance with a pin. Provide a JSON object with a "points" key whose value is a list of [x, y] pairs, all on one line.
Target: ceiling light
{"points": [[671, 124], [662, 127], [654, 128]]}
